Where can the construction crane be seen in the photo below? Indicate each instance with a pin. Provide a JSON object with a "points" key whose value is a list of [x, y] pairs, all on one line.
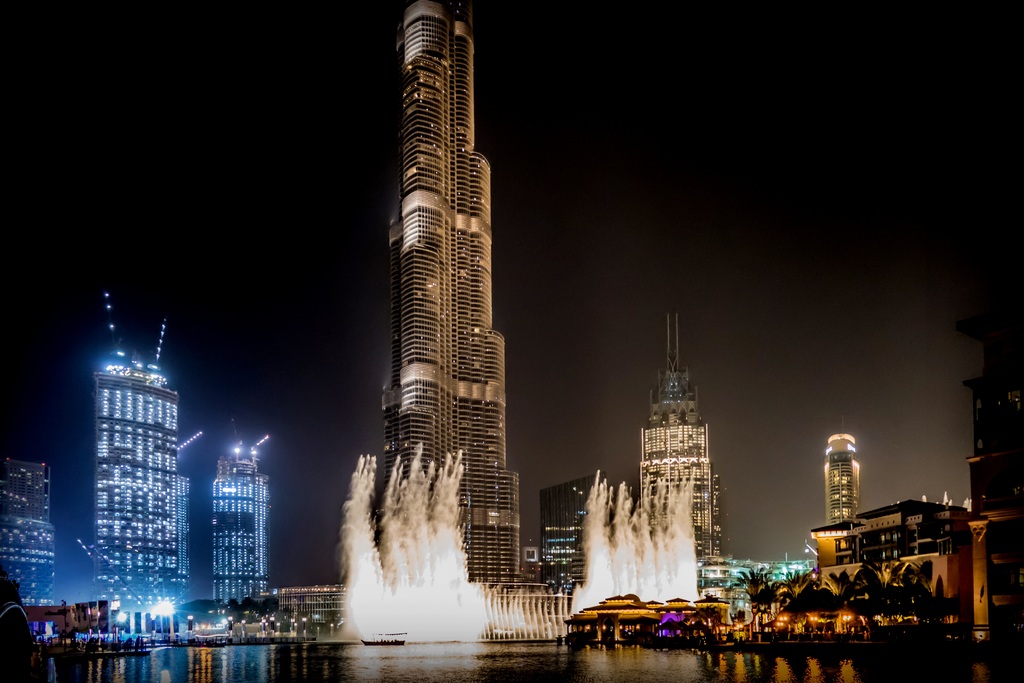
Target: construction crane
{"points": [[185, 443]]}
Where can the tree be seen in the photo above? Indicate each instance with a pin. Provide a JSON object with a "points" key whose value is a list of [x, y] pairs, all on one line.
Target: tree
{"points": [[762, 592], [794, 592], [882, 589]]}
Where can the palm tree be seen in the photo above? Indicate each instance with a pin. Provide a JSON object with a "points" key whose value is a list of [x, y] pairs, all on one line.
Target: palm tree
{"points": [[792, 588], [842, 590], [762, 592], [881, 588]]}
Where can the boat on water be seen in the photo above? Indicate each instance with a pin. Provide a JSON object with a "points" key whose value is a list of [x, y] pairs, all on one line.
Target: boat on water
{"points": [[386, 639]]}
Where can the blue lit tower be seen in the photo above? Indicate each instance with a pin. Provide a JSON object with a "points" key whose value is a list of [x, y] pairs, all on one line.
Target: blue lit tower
{"points": [[675, 449], [26, 534], [241, 501], [446, 391], [139, 539]]}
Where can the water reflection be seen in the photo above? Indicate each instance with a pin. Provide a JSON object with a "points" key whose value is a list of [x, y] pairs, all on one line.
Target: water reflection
{"points": [[502, 662]]}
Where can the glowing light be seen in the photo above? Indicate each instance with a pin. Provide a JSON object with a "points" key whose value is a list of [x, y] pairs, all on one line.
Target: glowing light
{"points": [[163, 608]]}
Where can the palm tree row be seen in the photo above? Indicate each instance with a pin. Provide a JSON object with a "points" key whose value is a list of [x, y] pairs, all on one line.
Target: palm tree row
{"points": [[878, 593]]}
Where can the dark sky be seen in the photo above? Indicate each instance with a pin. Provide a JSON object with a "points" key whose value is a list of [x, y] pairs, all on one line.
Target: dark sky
{"points": [[819, 198]]}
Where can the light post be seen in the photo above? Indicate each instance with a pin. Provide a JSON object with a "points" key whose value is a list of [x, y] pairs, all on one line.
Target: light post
{"points": [[190, 628], [303, 629], [244, 636], [807, 549]]}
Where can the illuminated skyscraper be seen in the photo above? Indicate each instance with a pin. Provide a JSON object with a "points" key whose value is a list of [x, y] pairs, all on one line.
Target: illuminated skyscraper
{"points": [[139, 539], [446, 390], [26, 534], [241, 502], [563, 508], [842, 479], [675, 449]]}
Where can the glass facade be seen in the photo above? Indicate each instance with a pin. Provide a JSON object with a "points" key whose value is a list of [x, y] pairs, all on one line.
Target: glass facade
{"points": [[675, 450], [139, 549], [563, 508], [241, 502], [26, 534], [322, 605], [446, 391]]}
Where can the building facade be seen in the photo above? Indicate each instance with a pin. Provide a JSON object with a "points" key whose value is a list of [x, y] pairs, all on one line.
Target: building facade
{"points": [[319, 607], [241, 505], [563, 508], [446, 391], [27, 539], [137, 552], [842, 479], [675, 449], [912, 531], [997, 477]]}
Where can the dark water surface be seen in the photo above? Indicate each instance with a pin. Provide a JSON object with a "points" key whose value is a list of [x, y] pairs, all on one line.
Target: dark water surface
{"points": [[466, 662]]}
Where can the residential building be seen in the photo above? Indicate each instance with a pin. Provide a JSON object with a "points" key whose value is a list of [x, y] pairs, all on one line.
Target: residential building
{"points": [[842, 479], [27, 537], [241, 505], [446, 392], [563, 508], [138, 545], [675, 449]]}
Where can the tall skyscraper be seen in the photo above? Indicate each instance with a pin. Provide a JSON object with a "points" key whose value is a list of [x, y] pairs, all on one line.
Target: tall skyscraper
{"points": [[446, 391], [842, 479], [139, 534], [26, 534], [563, 508], [241, 502], [675, 449]]}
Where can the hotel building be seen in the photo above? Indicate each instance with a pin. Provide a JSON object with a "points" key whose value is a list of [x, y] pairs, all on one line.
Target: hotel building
{"points": [[241, 502], [675, 449], [141, 541], [446, 390], [26, 534], [842, 479]]}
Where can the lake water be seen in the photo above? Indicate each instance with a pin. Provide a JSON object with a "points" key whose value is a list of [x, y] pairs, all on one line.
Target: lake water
{"points": [[472, 662]]}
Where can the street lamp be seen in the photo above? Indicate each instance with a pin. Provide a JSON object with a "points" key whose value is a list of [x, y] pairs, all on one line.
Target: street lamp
{"points": [[303, 628], [190, 627]]}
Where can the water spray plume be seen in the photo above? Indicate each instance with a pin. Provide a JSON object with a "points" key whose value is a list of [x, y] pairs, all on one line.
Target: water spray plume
{"points": [[646, 550], [415, 580]]}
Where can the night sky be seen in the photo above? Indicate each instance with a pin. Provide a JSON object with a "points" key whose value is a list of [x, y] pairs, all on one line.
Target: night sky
{"points": [[818, 198]]}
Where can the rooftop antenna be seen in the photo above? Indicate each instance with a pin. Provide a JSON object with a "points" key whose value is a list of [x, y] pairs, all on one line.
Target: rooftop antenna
{"points": [[673, 350]]}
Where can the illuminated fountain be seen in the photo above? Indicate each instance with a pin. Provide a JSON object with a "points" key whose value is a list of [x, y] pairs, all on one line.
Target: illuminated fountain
{"points": [[411, 576], [414, 579], [628, 552]]}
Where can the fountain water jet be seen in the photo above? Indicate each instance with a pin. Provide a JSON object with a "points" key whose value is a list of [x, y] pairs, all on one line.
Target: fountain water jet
{"points": [[411, 577], [414, 580], [647, 550]]}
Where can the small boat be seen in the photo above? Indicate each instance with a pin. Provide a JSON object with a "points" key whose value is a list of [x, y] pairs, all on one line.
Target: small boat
{"points": [[386, 639]]}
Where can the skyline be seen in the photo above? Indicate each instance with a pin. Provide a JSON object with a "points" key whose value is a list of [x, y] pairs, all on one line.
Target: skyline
{"points": [[753, 196]]}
